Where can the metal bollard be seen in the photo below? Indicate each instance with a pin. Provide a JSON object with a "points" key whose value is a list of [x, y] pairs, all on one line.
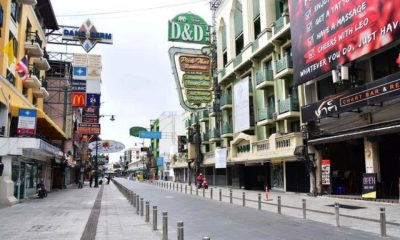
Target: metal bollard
{"points": [[190, 189], [134, 200], [137, 204], [383, 222], [337, 214], [304, 209], [244, 199], [211, 193], [259, 201], [220, 195], [181, 187], [204, 192], [180, 230], [165, 226], [147, 214], [279, 204], [141, 207], [206, 238], [197, 192], [230, 196], [154, 218], [173, 186], [185, 189]]}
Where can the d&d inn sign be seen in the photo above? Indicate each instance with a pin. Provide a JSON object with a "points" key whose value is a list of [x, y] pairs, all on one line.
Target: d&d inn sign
{"points": [[190, 28], [87, 35]]}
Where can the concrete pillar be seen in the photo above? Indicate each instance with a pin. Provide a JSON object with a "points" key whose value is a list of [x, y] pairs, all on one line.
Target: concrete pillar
{"points": [[6, 184], [372, 163], [284, 175], [318, 180]]}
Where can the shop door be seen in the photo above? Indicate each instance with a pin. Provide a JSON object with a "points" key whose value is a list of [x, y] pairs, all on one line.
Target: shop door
{"points": [[297, 177]]}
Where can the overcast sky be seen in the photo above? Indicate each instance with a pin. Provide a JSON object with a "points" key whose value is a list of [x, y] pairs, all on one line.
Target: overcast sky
{"points": [[137, 80]]}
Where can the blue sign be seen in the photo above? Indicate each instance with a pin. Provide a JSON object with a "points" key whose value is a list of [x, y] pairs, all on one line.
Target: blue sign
{"points": [[92, 100], [27, 122], [80, 73], [160, 161], [150, 134]]}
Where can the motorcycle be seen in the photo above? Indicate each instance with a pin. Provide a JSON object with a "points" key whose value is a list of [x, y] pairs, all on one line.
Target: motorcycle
{"points": [[41, 192]]}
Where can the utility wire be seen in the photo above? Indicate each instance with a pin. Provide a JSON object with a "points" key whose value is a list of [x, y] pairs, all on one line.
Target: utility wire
{"points": [[130, 10]]}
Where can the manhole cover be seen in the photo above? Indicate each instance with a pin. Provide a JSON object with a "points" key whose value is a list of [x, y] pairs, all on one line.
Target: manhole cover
{"points": [[346, 206]]}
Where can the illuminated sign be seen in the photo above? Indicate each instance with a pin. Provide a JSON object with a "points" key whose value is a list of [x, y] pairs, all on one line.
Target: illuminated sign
{"points": [[188, 27], [78, 99], [326, 34], [87, 35]]}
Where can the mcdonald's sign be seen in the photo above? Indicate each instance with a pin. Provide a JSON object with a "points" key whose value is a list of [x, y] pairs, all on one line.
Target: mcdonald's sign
{"points": [[78, 99]]}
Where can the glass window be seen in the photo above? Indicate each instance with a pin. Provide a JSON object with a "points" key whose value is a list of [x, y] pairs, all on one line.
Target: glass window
{"points": [[15, 11], [238, 18], [385, 64], [256, 18]]}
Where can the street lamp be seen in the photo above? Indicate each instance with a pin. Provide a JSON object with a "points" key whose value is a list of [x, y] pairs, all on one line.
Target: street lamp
{"points": [[96, 172]]}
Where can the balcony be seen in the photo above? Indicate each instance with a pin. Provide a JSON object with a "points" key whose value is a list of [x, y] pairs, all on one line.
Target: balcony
{"points": [[194, 119], [284, 67], [226, 101], [32, 82], [27, 2], [212, 111], [277, 146], [33, 45], [255, 45], [214, 135], [288, 107], [265, 79], [237, 60], [203, 115], [41, 63], [40, 93], [188, 123], [205, 138], [227, 130], [265, 113], [281, 24]]}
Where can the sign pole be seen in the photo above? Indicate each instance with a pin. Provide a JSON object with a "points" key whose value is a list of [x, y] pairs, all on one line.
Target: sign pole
{"points": [[96, 176]]}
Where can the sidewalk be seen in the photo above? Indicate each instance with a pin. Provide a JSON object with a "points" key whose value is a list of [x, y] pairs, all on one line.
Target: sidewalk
{"points": [[65, 215], [319, 208]]}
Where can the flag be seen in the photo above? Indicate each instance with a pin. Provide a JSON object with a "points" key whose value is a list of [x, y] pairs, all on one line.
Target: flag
{"points": [[22, 68], [9, 50]]}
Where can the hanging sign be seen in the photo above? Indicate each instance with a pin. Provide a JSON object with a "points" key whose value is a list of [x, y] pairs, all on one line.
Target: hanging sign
{"points": [[27, 122], [106, 146], [189, 28]]}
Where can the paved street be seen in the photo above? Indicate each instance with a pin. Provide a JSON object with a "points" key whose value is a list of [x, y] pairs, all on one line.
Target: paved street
{"points": [[221, 220]]}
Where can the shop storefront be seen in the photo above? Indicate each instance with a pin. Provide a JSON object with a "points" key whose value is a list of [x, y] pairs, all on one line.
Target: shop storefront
{"points": [[26, 174]]}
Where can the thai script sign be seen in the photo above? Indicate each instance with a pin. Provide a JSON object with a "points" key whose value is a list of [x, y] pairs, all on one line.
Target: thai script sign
{"points": [[197, 81], [371, 93], [188, 27], [26, 122], [87, 35], [89, 128], [330, 33]]}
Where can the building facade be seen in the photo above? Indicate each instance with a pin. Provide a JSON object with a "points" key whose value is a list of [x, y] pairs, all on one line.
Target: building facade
{"points": [[27, 159]]}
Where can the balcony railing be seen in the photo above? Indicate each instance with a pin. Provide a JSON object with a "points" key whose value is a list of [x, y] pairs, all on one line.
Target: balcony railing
{"points": [[203, 114], [214, 133], [265, 75], [227, 128], [194, 119], [255, 45], [265, 113], [278, 146], [288, 105], [284, 63], [205, 137], [280, 23], [237, 60], [188, 123], [33, 37], [226, 99]]}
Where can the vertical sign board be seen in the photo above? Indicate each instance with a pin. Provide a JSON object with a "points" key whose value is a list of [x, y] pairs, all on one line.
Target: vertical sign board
{"points": [[326, 34], [27, 122], [221, 157], [241, 105], [326, 172], [369, 185]]}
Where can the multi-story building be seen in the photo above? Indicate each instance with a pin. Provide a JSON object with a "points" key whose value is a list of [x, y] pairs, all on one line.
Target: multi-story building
{"points": [[27, 159], [258, 119]]}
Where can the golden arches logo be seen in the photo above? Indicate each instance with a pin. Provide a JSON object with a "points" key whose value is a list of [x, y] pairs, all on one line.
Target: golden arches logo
{"points": [[78, 100]]}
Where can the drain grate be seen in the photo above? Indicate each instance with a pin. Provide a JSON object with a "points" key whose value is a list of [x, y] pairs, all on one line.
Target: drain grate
{"points": [[91, 226], [43, 228], [351, 207]]}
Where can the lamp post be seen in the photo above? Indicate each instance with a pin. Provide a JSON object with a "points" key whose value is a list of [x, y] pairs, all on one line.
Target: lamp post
{"points": [[96, 171]]}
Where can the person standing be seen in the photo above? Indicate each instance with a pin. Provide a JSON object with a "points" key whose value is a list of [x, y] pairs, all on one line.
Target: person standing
{"points": [[1, 167], [91, 179]]}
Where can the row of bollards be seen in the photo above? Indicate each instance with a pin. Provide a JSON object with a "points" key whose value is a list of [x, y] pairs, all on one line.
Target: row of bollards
{"points": [[143, 209], [279, 205]]}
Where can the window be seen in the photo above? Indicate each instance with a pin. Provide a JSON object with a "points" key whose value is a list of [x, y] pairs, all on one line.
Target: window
{"points": [[224, 46], [15, 43], [256, 18], [15, 11], [238, 19], [384, 64], [10, 77], [295, 126]]}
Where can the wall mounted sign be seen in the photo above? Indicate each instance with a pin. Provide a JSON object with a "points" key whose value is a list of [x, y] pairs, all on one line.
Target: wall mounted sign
{"points": [[78, 99], [87, 35], [326, 172], [150, 134], [192, 77], [78, 86], [189, 28], [241, 105], [93, 86], [326, 34], [106, 146], [27, 122], [90, 111], [371, 93], [92, 100], [79, 72], [89, 128]]}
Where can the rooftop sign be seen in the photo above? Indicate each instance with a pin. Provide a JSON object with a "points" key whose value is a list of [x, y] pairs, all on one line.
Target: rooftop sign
{"points": [[87, 35]]}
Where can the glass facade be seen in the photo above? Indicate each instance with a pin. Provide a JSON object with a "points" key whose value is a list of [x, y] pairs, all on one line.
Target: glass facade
{"points": [[25, 177]]}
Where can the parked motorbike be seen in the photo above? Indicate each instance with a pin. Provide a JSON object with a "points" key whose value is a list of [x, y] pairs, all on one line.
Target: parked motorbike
{"points": [[41, 191]]}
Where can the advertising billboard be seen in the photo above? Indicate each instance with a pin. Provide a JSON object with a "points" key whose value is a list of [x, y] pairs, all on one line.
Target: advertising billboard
{"points": [[326, 34], [241, 105]]}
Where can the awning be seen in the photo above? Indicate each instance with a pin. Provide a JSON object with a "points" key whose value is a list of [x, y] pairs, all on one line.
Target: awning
{"points": [[45, 125], [357, 134]]}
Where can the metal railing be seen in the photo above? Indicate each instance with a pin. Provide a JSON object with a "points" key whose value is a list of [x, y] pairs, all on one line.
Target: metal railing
{"points": [[214, 133], [284, 63], [288, 105], [265, 113], [203, 114], [266, 75], [33, 37], [279, 24], [226, 128], [226, 99]]}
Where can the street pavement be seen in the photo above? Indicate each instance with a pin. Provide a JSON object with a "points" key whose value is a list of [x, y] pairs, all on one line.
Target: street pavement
{"points": [[67, 214], [221, 220]]}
